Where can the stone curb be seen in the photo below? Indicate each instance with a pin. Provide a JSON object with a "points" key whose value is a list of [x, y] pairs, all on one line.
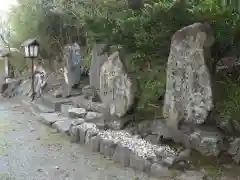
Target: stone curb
{"points": [[119, 146]]}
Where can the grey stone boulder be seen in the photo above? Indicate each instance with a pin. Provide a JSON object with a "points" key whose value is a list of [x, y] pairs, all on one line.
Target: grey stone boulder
{"points": [[63, 126], [50, 118], [139, 163], [57, 93], [74, 130], [65, 108], [192, 175], [234, 147], [94, 143], [83, 131], [90, 133], [77, 112], [209, 143], [91, 116], [152, 138], [122, 155], [107, 147], [160, 171], [234, 150], [81, 102]]}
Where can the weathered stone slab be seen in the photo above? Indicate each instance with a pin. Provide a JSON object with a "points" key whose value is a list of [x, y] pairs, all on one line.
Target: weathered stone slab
{"points": [[234, 147], [90, 133], [63, 126], [190, 175], [54, 103], [209, 143], [65, 108], [77, 112], [139, 163], [81, 102], [83, 131], [93, 115], [72, 68], [74, 130], [107, 147], [50, 118], [98, 58], [188, 94], [117, 88], [121, 155], [94, 143], [160, 171]]}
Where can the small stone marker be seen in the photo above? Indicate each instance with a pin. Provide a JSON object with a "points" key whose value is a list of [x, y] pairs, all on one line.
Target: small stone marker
{"points": [[117, 89]]}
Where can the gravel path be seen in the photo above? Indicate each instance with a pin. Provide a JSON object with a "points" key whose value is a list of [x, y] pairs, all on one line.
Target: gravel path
{"points": [[32, 151]]}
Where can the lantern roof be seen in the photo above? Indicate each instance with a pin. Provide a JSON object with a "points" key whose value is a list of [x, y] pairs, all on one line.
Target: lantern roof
{"points": [[4, 52], [32, 41]]}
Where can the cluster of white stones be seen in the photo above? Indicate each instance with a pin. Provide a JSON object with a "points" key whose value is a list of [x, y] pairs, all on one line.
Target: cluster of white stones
{"points": [[136, 145]]}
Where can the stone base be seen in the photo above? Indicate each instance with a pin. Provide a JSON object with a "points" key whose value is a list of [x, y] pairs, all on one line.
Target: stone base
{"points": [[54, 103]]}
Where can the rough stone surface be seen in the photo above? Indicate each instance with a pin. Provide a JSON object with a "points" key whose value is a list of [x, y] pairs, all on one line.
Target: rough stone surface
{"points": [[98, 58], [50, 118], [152, 138], [58, 93], [90, 133], [72, 69], [234, 146], [93, 115], [121, 155], [74, 134], [74, 130], [190, 175], [94, 144], [139, 163], [117, 88], [12, 89], [236, 157], [188, 94], [77, 113], [209, 143], [81, 102], [160, 171], [83, 131], [63, 126], [107, 147], [65, 108]]}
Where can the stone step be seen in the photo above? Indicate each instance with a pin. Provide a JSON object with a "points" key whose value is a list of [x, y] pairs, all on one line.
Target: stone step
{"points": [[65, 108], [89, 105], [41, 107], [54, 103], [77, 113]]}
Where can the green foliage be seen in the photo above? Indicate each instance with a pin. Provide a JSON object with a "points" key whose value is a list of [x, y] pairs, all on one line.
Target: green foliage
{"points": [[145, 34], [229, 102]]}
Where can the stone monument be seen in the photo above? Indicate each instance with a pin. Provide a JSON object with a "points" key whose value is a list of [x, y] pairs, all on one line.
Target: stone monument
{"points": [[98, 58], [188, 96], [72, 66], [117, 89]]}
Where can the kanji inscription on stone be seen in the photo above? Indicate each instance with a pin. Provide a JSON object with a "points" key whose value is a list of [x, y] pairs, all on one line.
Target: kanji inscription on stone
{"points": [[117, 89]]}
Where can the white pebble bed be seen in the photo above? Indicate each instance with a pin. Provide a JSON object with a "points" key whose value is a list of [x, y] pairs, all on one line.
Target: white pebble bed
{"points": [[137, 145]]}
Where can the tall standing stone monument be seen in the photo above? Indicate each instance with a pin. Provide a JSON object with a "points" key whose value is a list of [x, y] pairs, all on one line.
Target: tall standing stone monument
{"points": [[188, 89], [117, 88], [97, 61], [72, 65]]}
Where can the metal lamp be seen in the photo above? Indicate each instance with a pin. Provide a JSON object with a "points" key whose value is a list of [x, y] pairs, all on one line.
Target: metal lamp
{"points": [[31, 48]]}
